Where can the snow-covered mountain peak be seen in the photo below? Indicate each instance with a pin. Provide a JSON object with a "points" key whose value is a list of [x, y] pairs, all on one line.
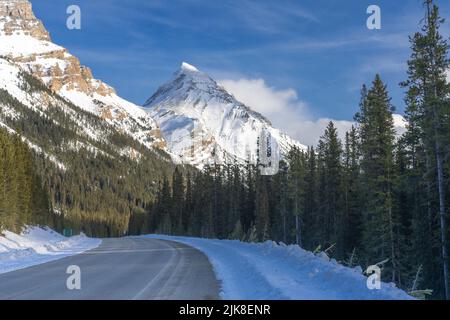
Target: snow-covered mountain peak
{"points": [[203, 123], [186, 67], [191, 77], [191, 84]]}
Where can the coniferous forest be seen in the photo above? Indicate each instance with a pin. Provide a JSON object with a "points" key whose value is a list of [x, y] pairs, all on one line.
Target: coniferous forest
{"points": [[372, 198], [94, 192], [23, 197]]}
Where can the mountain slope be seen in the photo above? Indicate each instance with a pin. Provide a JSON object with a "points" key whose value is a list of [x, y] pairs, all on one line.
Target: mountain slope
{"points": [[202, 123], [97, 176], [100, 156], [25, 41]]}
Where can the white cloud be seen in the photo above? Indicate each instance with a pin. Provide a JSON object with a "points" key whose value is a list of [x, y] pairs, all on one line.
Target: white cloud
{"points": [[287, 112], [312, 130], [264, 99], [283, 108]]}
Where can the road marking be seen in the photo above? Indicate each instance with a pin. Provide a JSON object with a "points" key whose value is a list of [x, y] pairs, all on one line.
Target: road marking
{"points": [[21, 293], [160, 273], [175, 272], [132, 251]]}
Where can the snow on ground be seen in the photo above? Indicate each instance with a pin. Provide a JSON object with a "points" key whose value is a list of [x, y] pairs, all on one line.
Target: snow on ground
{"points": [[26, 45], [39, 245], [275, 271]]}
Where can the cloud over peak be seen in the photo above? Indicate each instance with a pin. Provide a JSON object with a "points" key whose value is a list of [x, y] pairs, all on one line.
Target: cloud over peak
{"points": [[283, 108]]}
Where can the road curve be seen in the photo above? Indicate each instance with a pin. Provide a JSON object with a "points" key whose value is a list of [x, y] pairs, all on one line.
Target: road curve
{"points": [[120, 269]]}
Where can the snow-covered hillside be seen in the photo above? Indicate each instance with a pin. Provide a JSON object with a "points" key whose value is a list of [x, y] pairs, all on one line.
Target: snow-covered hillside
{"points": [[202, 123], [88, 131], [25, 41], [39, 245], [275, 271]]}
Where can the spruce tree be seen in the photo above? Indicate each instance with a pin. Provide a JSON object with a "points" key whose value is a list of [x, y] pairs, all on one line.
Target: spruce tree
{"points": [[262, 207], [330, 155], [297, 189], [377, 135], [24, 199], [352, 218], [177, 214], [429, 107]]}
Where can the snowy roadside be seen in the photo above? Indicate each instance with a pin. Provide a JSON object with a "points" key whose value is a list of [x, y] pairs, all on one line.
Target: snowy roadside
{"points": [[275, 271], [39, 245]]}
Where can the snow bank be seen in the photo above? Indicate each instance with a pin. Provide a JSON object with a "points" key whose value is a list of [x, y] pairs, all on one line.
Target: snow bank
{"points": [[39, 245], [275, 271]]}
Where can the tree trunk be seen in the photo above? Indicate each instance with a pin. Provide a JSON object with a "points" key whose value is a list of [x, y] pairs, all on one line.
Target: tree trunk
{"points": [[298, 232], [391, 230], [442, 218], [439, 165]]}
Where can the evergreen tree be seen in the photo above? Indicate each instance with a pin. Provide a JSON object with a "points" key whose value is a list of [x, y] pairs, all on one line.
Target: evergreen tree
{"points": [[24, 199], [188, 216], [311, 203], [376, 132], [296, 185], [262, 207], [429, 110], [248, 212], [177, 214], [165, 209], [352, 218], [330, 155], [283, 200]]}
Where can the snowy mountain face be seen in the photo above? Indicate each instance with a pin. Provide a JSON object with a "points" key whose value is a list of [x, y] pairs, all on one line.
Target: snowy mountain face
{"points": [[200, 122], [203, 124], [54, 128], [26, 43]]}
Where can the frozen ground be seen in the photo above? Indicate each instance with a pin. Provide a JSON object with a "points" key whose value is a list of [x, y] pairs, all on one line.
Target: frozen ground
{"points": [[39, 245], [275, 271]]}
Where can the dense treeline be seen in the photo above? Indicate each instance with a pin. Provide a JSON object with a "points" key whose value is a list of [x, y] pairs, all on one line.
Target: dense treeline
{"points": [[23, 196], [373, 198]]}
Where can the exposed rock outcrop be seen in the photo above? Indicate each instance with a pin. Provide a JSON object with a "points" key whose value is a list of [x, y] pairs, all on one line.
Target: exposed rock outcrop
{"points": [[24, 40]]}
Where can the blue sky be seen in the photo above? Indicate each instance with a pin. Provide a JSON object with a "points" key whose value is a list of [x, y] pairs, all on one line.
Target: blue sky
{"points": [[318, 50]]}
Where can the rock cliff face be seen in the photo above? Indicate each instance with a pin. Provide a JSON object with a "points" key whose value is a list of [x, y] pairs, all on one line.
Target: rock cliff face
{"points": [[24, 40], [18, 18]]}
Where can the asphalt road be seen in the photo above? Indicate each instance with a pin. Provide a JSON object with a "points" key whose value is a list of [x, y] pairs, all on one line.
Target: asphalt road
{"points": [[124, 269]]}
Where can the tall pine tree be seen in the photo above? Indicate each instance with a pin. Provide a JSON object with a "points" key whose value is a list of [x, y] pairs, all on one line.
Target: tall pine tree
{"points": [[376, 132], [429, 110]]}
